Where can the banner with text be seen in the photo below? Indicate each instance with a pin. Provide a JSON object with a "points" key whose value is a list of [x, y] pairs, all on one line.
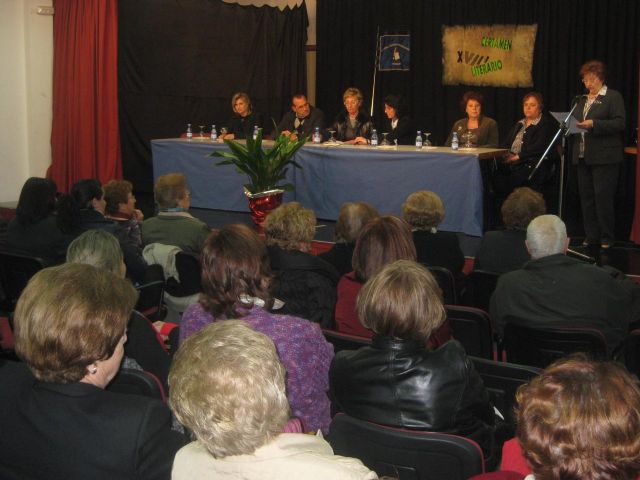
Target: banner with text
{"points": [[395, 53], [488, 55]]}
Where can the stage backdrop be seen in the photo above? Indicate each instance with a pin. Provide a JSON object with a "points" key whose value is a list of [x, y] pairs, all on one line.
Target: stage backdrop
{"points": [[569, 32], [180, 62]]}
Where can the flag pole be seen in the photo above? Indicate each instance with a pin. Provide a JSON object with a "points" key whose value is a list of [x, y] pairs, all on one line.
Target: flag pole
{"points": [[375, 69]]}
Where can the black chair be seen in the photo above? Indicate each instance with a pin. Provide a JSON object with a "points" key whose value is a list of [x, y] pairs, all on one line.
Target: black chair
{"points": [[539, 347], [406, 454], [16, 270], [472, 328], [344, 341], [150, 300], [502, 380], [480, 287], [447, 283], [137, 382], [188, 267]]}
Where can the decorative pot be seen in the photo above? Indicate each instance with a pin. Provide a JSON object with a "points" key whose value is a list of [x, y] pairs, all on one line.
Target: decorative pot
{"points": [[262, 203]]}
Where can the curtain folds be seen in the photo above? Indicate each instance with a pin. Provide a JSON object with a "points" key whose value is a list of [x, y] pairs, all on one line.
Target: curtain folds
{"points": [[85, 140]]}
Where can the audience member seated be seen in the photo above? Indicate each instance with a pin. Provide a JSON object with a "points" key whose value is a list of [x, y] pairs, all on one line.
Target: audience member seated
{"points": [[240, 126], [174, 225], [398, 381], [305, 283], [353, 125], [228, 387], [121, 209], [351, 219], [578, 419], [424, 211], [381, 241], [235, 284], [102, 250], [84, 207], [302, 119], [501, 251], [396, 122], [553, 290], [57, 420], [35, 230], [483, 130]]}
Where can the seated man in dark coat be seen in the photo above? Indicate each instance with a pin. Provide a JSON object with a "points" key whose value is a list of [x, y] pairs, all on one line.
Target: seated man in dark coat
{"points": [[302, 120], [553, 290]]}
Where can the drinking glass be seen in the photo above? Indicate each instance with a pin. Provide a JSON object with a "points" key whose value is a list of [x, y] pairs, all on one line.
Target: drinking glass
{"points": [[468, 136], [426, 142], [201, 132], [385, 142], [331, 138]]}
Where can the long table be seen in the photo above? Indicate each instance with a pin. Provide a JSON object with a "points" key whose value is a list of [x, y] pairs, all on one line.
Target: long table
{"points": [[332, 175]]}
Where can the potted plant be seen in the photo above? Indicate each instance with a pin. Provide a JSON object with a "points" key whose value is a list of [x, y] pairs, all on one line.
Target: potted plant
{"points": [[266, 170]]}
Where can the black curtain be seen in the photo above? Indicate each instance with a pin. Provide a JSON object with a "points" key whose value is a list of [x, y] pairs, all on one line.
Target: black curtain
{"points": [[570, 32], [180, 61]]}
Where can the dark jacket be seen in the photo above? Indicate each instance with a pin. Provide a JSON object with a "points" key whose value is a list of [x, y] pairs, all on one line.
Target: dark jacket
{"points": [[306, 284], [41, 239], [535, 140], [502, 251], [79, 431], [403, 384], [363, 127], [603, 144], [242, 127], [340, 257], [308, 125], [440, 249], [404, 131], [145, 347]]}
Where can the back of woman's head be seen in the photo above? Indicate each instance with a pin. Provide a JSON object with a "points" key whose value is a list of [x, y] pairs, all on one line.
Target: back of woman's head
{"points": [[99, 249], [521, 206], [351, 218], [403, 301], [290, 226], [79, 198], [228, 387], [235, 263], [37, 200], [86, 190], [169, 190], [580, 419], [423, 210], [382, 241], [69, 317]]}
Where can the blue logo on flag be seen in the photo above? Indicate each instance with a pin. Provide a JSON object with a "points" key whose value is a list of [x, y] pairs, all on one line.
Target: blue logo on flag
{"points": [[395, 52]]}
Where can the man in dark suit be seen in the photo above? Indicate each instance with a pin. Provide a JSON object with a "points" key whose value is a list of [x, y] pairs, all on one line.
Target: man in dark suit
{"points": [[553, 290], [302, 120]]}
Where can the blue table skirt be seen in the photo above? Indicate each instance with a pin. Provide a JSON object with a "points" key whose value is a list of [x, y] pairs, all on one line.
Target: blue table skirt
{"points": [[331, 176]]}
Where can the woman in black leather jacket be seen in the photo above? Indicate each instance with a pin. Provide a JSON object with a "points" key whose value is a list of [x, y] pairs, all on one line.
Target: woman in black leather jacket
{"points": [[353, 125], [397, 381]]}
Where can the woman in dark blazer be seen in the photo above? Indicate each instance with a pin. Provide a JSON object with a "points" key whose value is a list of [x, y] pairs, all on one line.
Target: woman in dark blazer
{"points": [[397, 123], [598, 153], [57, 419]]}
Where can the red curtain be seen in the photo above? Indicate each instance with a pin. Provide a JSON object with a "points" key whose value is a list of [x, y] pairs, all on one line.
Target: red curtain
{"points": [[85, 139]]}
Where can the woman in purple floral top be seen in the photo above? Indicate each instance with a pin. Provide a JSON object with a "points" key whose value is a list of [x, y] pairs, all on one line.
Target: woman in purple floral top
{"points": [[235, 284]]}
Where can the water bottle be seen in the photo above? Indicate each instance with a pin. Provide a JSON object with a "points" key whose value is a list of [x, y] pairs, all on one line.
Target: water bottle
{"points": [[419, 140], [214, 133], [255, 132], [189, 132], [374, 138], [454, 141], [317, 138]]}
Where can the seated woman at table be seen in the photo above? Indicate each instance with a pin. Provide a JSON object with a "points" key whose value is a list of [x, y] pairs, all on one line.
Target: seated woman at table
{"points": [[397, 380], [244, 120], [527, 141], [353, 125], [70, 329], [397, 123], [483, 130], [305, 283], [174, 225]]}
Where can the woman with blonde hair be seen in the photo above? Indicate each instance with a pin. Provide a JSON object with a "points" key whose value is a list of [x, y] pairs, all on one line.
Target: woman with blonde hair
{"points": [[398, 381], [240, 126], [70, 328], [228, 387], [353, 125]]}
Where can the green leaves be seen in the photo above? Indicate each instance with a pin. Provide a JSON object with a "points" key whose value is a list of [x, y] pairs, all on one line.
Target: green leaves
{"points": [[265, 168]]}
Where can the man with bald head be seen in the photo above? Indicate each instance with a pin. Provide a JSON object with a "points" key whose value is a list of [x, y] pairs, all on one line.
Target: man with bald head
{"points": [[302, 120], [553, 290]]}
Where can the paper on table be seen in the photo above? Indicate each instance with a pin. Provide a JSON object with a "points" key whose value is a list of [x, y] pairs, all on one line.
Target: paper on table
{"points": [[571, 123]]}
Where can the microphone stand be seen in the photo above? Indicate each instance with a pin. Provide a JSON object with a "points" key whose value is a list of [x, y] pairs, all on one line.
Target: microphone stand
{"points": [[561, 127]]}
